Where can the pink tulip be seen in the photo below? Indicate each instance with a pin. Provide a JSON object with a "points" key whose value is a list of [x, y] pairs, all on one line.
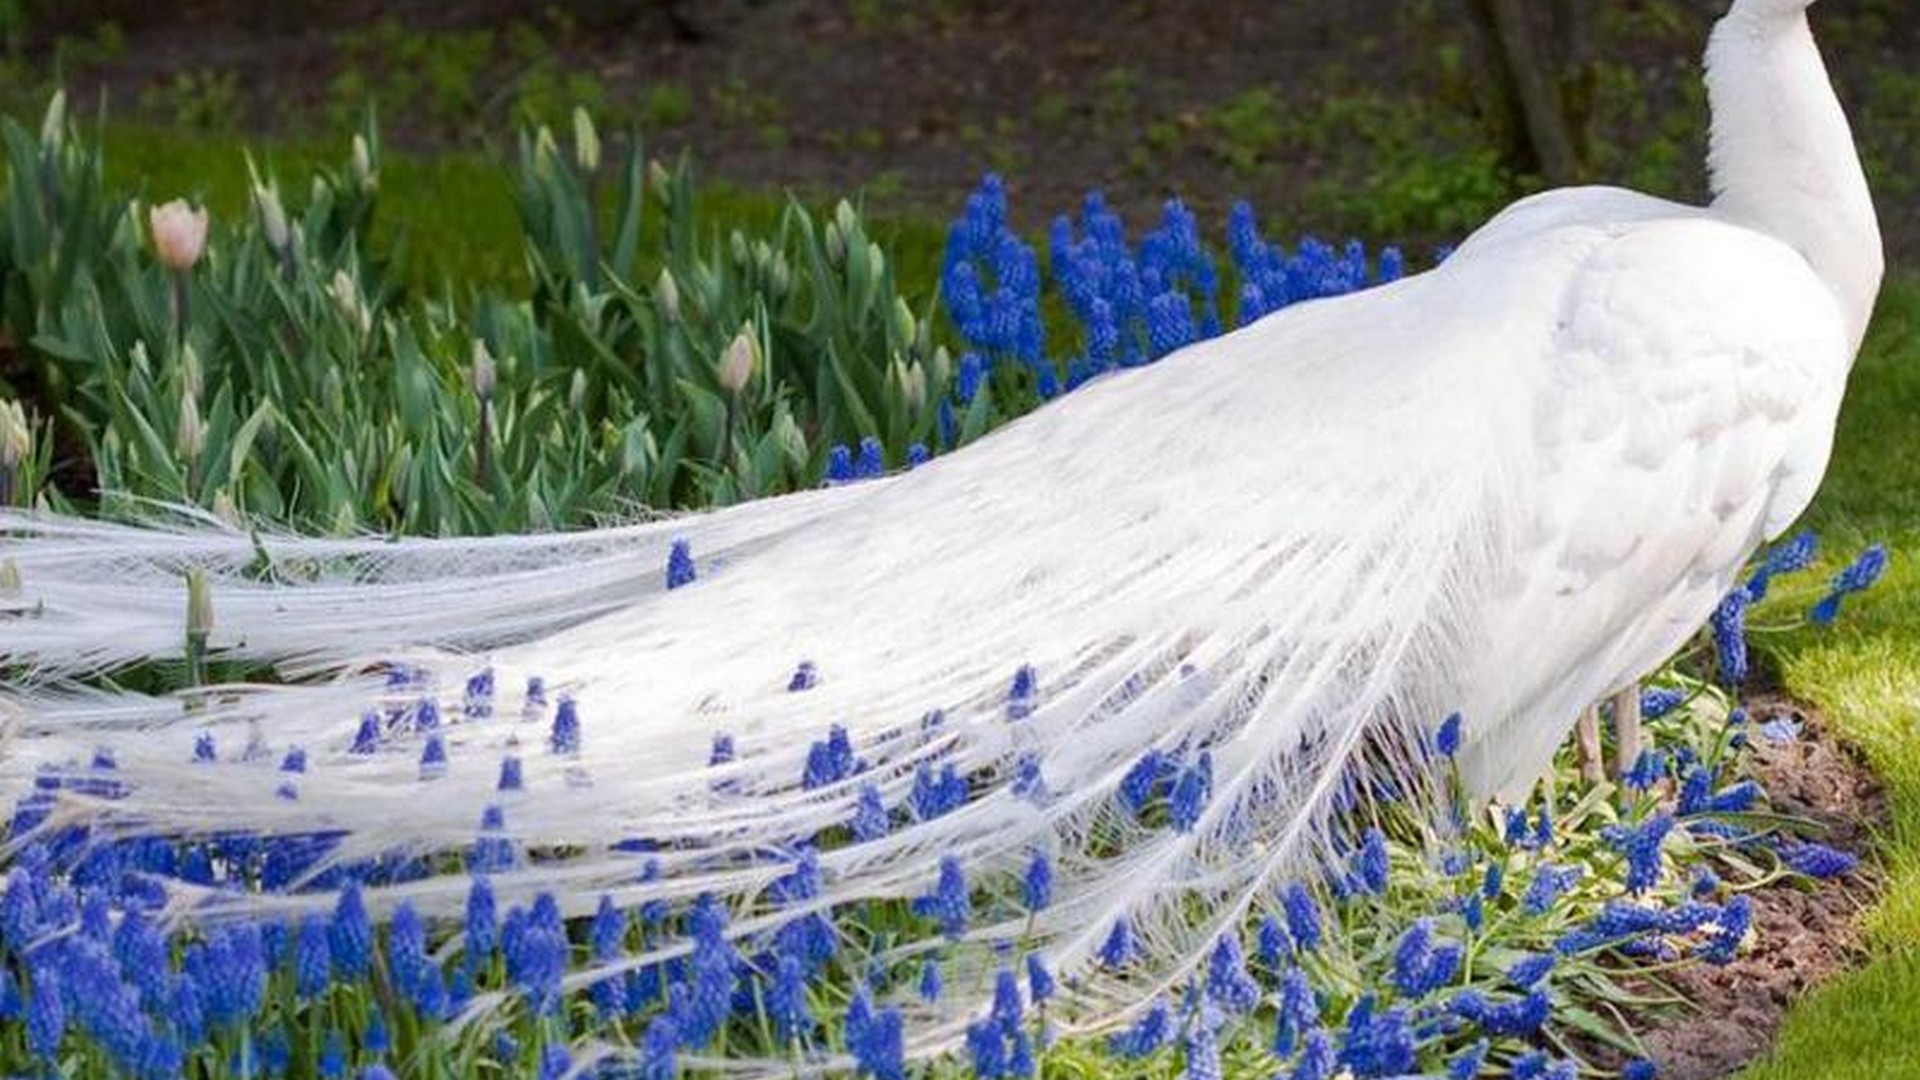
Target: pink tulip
{"points": [[179, 234]]}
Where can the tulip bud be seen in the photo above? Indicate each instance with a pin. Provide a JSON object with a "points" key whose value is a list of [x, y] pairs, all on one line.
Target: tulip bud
{"points": [[190, 435], [9, 577], [16, 435], [273, 217], [364, 176], [137, 357], [637, 448], [333, 390], [199, 605], [905, 328], [577, 391], [940, 368], [666, 293], [192, 379], [781, 279], [485, 373], [586, 141], [53, 126], [224, 509], [347, 294], [658, 179], [738, 362], [913, 387], [179, 234], [845, 216], [876, 265], [791, 440], [737, 243], [836, 245], [402, 472]]}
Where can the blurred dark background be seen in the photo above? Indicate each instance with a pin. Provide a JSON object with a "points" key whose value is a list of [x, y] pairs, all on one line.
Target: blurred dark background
{"points": [[1393, 119]]}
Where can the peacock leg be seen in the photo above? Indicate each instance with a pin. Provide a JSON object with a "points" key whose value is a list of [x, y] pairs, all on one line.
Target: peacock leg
{"points": [[1587, 744], [1626, 729]]}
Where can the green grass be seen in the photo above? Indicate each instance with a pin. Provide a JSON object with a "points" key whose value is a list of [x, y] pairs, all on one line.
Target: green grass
{"points": [[1865, 675], [460, 224]]}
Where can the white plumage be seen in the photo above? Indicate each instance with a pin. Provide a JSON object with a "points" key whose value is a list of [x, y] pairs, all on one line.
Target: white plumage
{"points": [[1505, 487]]}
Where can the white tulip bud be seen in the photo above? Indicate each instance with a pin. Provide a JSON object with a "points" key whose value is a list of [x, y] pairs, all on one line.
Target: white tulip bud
{"points": [[486, 374], [53, 127], [199, 605], [836, 245], [781, 279], [791, 440], [845, 216], [225, 510], [9, 577], [192, 378], [273, 217], [913, 387], [658, 179], [364, 176], [738, 361], [876, 265], [179, 234], [577, 391], [666, 293], [16, 435], [942, 364], [545, 150], [333, 390], [738, 244], [586, 141], [190, 435], [905, 327], [347, 294]]}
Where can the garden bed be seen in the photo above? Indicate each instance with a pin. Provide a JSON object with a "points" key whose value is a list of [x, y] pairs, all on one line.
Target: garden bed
{"points": [[1804, 935]]}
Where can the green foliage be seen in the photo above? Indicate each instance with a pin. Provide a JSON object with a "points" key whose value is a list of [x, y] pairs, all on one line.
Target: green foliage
{"points": [[1247, 127], [432, 76], [309, 387], [1890, 107], [666, 105], [1391, 167], [206, 101]]}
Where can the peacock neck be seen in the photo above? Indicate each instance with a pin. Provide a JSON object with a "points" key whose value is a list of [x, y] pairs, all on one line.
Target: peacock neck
{"points": [[1783, 159]]}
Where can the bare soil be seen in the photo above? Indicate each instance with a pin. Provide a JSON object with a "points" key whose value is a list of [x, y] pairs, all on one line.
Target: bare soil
{"points": [[1805, 935]]}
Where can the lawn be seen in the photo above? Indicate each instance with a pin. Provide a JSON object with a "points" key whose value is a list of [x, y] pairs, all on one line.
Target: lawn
{"points": [[457, 208], [1865, 674]]}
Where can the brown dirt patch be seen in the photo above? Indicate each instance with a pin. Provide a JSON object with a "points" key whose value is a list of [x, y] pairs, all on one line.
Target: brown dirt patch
{"points": [[1805, 935]]}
